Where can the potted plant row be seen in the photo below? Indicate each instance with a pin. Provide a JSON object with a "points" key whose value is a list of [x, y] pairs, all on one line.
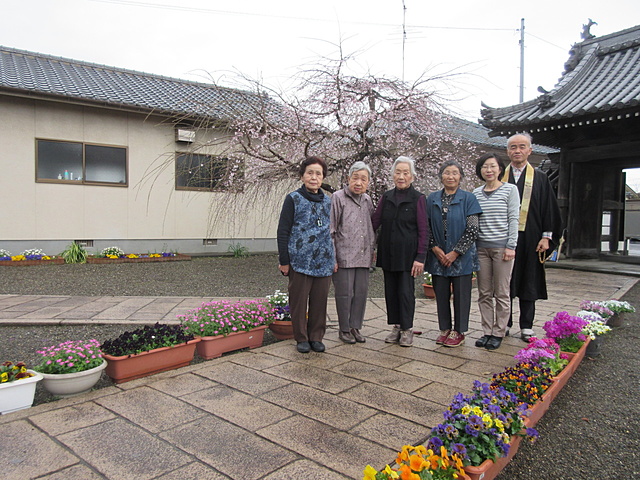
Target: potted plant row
{"points": [[117, 255], [484, 429], [17, 386], [72, 367], [32, 256], [225, 326], [281, 327], [148, 350]]}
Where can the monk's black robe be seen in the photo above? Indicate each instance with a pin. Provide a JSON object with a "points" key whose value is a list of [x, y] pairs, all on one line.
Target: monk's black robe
{"points": [[528, 280]]}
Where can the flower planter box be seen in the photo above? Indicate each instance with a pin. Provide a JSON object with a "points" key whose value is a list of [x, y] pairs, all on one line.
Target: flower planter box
{"points": [[214, 347], [538, 409], [488, 470], [104, 260], [594, 348], [71, 384], [281, 329], [18, 394], [130, 367], [28, 263]]}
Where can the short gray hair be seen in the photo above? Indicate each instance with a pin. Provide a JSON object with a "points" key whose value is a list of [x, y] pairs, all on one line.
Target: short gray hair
{"points": [[410, 161], [356, 167], [526, 135], [450, 163]]}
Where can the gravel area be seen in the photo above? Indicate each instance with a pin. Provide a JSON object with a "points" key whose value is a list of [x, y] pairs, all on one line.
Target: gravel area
{"points": [[591, 432]]}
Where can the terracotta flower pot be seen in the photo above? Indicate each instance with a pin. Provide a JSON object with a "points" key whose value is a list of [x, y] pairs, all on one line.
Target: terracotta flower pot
{"points": [[18, 394], [428, 291], [214, 347], [71, 384], [594, 348], [488, 470], [130, 367], [616, 319], [282, 329]]}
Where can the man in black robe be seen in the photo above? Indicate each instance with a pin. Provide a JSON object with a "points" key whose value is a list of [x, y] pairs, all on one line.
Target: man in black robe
{"points": [[538, 231]]}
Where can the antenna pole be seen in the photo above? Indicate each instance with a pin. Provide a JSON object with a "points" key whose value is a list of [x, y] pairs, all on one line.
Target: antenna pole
{"points": [[521, 60]]}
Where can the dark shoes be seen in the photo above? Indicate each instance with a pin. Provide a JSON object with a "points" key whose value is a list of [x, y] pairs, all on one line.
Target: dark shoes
{"points": [[357, 335], [346, 337], [493, 343], [306, 347], [482, 341], [303, 347]]}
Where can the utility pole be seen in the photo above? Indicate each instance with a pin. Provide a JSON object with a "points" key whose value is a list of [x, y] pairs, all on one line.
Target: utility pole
{"points": [[404, 34], [521, 60]]}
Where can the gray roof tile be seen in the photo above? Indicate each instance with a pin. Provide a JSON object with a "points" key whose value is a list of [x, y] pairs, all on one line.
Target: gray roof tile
{"points": [[47, 75], [601, 76]]}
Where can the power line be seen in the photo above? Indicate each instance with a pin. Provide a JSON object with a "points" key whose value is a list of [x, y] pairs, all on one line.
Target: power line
{"points": [[135, 3]]}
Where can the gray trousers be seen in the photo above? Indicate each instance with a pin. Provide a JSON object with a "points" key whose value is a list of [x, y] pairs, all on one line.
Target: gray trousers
{"points": [[351, 287], [494, 279]]}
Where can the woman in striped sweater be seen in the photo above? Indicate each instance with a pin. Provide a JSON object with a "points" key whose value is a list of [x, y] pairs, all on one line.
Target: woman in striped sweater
{"points": [[500, 203]]}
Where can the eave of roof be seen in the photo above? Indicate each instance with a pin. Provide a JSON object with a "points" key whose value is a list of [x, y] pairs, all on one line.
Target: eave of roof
{"points": [[603, 86]]}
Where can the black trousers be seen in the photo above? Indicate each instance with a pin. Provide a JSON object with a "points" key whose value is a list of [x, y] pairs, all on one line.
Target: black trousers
{"points": [[461, 287], [400, 297], [527, 313]]}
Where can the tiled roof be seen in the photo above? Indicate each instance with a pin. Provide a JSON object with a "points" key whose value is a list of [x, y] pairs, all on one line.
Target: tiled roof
{"points": [[34, 73], [38, 74], [479, 135], [601, 80]]}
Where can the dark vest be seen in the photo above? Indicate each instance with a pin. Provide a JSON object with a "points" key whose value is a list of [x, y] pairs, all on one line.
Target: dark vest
{"points": [[398, 239]]}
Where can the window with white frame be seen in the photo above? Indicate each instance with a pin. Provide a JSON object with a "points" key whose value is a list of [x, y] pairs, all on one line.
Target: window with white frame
{"points": [[80, 163]]}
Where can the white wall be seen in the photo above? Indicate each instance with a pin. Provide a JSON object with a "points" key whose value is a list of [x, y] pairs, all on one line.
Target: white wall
{"points": [[148, 209]]}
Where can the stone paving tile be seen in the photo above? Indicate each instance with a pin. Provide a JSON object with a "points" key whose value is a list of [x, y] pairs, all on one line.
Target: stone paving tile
{"points": [[239, 408], [337, 450], [76, 472], [400, 404], [257, 359], [242, 378], [304, 469], [369, 356], [150, 409], [124, 309], [287, 350], [496, 357], [71, 418], [480, 369], [182, 384], [120, 450], [327, 408], [229, 449], [49, 312], [439, 374], [29, 453], [440, 393], [319, 378], [391, 431], [194, 471], [388, 377], [440, 358]]}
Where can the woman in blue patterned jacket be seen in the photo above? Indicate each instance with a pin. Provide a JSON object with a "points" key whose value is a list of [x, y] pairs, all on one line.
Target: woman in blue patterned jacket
{"points": [[452, 257], [306, 255]]}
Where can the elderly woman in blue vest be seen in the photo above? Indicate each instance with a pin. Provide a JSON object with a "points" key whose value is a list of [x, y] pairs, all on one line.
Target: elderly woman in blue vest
{"points": [[306, 255], [402, 243], [452, 258]]}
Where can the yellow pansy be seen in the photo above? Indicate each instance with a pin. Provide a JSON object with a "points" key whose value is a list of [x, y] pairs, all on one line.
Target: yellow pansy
{"points": [[390, 472], [370, 473]]}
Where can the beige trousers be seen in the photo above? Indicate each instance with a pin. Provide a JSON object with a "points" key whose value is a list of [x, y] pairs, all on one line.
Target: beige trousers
{"points": [[494, 279]]}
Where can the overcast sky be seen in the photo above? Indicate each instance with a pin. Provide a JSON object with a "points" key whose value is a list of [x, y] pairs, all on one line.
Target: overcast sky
{"points": [[274, 39]]}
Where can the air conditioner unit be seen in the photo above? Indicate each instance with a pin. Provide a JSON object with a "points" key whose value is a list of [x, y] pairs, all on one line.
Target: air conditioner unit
{"points": [[185, 135]]}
